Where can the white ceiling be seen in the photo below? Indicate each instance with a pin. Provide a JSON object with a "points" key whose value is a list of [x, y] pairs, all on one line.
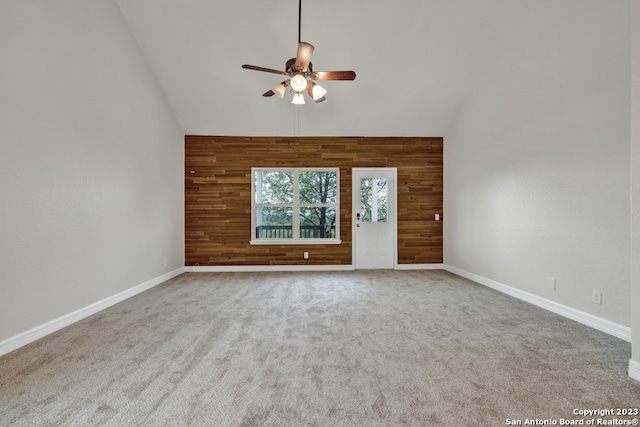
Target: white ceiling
{"points": [[415, 61]]}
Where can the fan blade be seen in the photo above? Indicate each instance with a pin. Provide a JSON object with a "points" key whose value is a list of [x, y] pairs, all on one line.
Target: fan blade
{"points": [[305, 50], [333, 75], [266, 70]]}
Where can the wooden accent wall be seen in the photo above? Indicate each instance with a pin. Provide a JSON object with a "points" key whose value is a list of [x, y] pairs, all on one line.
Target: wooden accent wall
{"points": [[218, 195]]}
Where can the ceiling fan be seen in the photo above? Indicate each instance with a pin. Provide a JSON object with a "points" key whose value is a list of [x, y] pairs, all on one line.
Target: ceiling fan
{"points": [[301, 74]]}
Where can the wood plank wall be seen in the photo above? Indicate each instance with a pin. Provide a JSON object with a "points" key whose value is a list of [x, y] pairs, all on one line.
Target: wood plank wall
{"points": [[218, 195]]}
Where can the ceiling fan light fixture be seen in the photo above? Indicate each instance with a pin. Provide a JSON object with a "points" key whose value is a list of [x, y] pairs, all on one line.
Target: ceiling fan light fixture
{"points": [[316, 92], [298, 99], [278, 90], [298, 83], [300, 72]]}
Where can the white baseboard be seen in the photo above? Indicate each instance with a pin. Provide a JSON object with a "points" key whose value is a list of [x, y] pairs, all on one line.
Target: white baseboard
{"points": [[419, 266], [41, 331], [611, 328], [634, 369], [263, 268]]}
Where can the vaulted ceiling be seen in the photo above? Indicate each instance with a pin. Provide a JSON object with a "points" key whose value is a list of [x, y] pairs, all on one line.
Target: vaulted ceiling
{"points": [[415, 61]]}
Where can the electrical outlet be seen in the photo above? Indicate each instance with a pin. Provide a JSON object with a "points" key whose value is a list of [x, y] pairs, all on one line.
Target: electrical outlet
{"points": [[306, 255], [551, 283], [596, 297]]}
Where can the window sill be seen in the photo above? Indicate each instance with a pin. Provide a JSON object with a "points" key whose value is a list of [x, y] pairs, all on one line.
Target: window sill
{"points": [[295, 242]]}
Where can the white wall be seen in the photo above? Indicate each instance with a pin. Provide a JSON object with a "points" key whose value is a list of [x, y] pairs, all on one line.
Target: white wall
{"points": [[91, 162], [635, 192], [537, 158]]}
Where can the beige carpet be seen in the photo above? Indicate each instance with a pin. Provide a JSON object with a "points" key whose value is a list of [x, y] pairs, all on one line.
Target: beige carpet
{"points": [[386, 348]]}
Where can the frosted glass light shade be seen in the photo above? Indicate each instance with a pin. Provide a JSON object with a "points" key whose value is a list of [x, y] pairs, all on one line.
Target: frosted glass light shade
{"points": [[317, 92], [278, 90], [298, 83], [298, 99]]}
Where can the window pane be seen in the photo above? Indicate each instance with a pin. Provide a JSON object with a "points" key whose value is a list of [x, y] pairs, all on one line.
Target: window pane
{"points": [[374, 200], [274, 186], [318, 223], [274, 223], [318, 187]]}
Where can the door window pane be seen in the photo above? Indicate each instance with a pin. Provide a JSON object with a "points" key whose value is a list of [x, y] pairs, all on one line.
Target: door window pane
{"points": [[374, 200]]}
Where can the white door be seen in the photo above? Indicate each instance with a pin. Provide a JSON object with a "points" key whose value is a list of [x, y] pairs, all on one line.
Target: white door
{"points": [[374, 218]]}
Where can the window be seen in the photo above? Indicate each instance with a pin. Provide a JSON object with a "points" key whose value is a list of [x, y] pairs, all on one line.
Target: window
{"points": [[295, 206], [374, 199]]}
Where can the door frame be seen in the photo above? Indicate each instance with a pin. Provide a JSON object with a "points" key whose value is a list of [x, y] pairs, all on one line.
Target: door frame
{"points": [[394, 211]]}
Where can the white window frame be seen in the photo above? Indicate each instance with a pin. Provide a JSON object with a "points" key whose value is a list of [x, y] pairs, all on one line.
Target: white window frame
{"points": [[295, 206]]}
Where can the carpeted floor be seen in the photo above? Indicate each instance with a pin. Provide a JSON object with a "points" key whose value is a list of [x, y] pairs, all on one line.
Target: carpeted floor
{"points": [[361, 348]]}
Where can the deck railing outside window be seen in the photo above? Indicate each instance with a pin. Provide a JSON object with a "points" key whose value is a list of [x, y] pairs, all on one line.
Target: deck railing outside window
{"points": [[286, 232]]}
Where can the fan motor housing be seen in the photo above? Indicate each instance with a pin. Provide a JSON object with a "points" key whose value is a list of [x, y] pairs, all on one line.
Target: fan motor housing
{"points": [[290, 66]]}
